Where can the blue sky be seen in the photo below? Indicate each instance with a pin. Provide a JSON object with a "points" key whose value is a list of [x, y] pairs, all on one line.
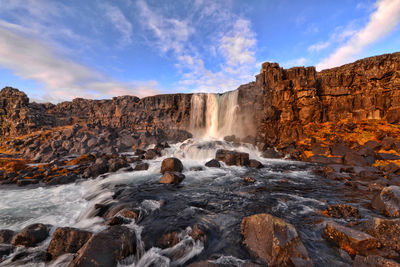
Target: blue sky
{"points": [[59, 50]]}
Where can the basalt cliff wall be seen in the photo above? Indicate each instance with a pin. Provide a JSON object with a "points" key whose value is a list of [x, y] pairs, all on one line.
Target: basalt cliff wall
{"points": [[277, 105]]}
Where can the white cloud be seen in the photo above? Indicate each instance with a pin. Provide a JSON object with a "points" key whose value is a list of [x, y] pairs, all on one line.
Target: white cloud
{"points": [[318, 46], [120, 22], [62, 78], [237, 46], [381, 22]]}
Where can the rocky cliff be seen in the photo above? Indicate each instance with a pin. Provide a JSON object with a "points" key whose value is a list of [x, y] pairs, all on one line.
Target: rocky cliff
{"points": [[276, 106]]}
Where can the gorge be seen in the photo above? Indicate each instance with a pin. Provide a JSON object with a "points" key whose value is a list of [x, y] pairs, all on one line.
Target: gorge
{"points": [[312, 157]]}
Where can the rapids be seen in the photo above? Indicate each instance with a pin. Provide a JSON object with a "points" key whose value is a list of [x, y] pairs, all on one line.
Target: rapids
{"points": [[214, 197]]}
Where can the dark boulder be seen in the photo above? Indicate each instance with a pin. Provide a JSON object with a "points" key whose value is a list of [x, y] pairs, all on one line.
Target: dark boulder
{"points": [[66, 179], [374, 145], [106, 248], [388, 201], [6, 236], [171, 165], [270, 153], [66, 240], [31, 235], [5, 250], [354, 159], [141, 166], [232, 157], [274, 241], [340, 150], [213, 164], [151, 154], [255, 164], [172, 178]]}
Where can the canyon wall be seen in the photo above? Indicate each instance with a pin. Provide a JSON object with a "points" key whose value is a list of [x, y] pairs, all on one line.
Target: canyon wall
{"points": [[273, 109]]}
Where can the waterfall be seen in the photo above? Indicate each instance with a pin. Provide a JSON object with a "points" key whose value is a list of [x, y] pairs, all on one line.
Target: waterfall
{"points": [[214, 115]]}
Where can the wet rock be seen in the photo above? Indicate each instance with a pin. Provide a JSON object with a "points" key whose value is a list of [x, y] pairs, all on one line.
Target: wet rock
{"points": [[196, 168], [5, 250], [249, 180], [168, 240], [114, 210], [24, 182], [66, 240], [342, 211], [213, 164], [106, 248], [129, 213], [66, 179], [172, 178], [350, 240], [388, 156], [6, 236], [373, 261], [151, 154], [117, 220], [199, 232], [388, 201], [274, 241], [270, 153], [255, 164], [387, 231], [171, 165], [232, 157], [96, 169], [31, 235], [139, 152], [141, 166]]}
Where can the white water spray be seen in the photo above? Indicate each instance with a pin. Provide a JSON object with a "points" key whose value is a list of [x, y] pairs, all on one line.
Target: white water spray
{"points": [[215, 115]]}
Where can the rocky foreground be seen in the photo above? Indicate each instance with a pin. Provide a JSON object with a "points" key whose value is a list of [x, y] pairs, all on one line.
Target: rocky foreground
{"points": [[343, 121]]}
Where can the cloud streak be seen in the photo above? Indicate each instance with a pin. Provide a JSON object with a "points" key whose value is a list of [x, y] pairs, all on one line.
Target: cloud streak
{"points": [[120, 22], [381, 22], [62, 78]]}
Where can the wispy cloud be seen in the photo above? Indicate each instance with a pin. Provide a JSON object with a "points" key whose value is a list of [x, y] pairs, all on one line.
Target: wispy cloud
{"points": [[62, 78], [318, 46], [294, 62], [381, 22], [232, 42], [120, 22]]}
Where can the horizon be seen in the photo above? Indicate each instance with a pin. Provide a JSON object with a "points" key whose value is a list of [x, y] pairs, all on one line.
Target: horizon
{"points": [[56, 52]]}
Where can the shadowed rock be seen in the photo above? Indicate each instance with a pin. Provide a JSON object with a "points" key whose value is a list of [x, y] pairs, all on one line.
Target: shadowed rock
{"points": [[172, 178], [31, 235], [171, 165], [388, 201]]}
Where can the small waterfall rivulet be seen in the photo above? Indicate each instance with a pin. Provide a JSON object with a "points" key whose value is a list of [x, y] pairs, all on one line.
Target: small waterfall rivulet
{"points": [[215, 115]]}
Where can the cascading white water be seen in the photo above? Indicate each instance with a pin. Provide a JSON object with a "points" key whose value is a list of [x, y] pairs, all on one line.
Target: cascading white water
{"points": [[214, 115]]}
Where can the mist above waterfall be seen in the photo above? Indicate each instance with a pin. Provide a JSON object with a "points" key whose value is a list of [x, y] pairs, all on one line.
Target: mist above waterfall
{"points": [[217, 115]]}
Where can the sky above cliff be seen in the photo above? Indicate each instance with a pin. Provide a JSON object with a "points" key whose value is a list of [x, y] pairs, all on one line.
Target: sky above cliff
{"points": [[59, 50]]}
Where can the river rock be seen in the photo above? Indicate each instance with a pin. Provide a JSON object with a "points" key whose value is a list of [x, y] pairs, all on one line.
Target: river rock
{"points": [[373, 261], [388, 201], [65, 179], [348, 239], [171, 165], [6, 236], [172, 178], [274, 241], [150, 154], [31, 235], [141, 166], [270, 153], [387, 231], [213, 164], [67, 240], [232, 157], [255, 164], [5, 250], [342, 211], [106, 248]]}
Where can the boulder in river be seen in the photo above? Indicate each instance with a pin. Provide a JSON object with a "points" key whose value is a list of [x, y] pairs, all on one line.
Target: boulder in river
{"points": [[348, 239], [172, 178], [67, 240], [6, 236], [388, 201], [274, 241], [171, 165], [31, 235], [342, 211], [387, 231], [232, 157], [213, 164], [255, 164], [106, 248]]}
